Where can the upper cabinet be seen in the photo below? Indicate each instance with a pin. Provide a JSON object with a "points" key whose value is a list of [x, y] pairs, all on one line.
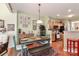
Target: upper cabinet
{"points": [[55, 24]]}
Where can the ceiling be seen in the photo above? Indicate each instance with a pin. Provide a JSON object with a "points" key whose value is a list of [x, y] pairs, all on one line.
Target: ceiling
{"points": [[48, 9]]}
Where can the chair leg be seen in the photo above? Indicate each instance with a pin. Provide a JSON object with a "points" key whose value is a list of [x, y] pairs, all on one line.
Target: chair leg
{"points": [[25, 51], [22, 50], [28, 53]]}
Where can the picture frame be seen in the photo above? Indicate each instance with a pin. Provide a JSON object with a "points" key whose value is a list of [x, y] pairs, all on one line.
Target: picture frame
{"points": [[23, 21], [34, 24], [1, 23], [11, 27]]}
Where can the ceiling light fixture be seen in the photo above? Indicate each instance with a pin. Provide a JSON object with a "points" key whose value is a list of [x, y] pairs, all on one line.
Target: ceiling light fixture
{"points": [[71, 15], [58, 14], [69, 10], [39, 21]]}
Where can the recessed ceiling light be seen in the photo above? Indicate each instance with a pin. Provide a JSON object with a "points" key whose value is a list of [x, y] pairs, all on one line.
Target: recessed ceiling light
{"points": [[71, 15], [58, 14], [69, 10]]}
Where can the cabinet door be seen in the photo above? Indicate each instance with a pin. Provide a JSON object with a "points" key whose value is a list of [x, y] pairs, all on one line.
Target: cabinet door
{"points": [[50, 23], [53, 37]]}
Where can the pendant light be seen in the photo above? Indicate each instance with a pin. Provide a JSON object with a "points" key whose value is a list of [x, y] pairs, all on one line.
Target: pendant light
{"points": [[39, 21]]}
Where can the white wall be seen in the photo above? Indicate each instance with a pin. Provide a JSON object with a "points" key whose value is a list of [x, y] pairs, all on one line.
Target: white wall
{"points": [[20, 26], [45, 20], [8, 17], [30, 27]]}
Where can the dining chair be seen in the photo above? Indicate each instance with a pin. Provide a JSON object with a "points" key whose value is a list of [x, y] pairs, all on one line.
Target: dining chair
{"points": [[20, 47], [73, 46]]}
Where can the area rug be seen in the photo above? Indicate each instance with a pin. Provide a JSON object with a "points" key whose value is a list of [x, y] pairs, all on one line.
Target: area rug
{"points": [[45, 52]]}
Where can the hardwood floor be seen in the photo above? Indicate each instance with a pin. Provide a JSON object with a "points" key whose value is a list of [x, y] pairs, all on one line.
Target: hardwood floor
{"points": [[59, 48]]}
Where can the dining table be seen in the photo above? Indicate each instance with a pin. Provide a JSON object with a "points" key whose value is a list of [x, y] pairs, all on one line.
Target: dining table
{"points": [[33, 39]]}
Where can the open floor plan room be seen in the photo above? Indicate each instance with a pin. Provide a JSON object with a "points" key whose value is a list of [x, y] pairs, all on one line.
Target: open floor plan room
{"points": [[39, 29]]}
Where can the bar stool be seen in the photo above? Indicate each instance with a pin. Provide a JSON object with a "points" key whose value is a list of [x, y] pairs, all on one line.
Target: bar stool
{"points": [[73, 46]]}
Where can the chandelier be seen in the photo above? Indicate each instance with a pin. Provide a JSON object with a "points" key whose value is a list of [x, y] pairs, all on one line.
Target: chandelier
{"points": [[39, 21]]}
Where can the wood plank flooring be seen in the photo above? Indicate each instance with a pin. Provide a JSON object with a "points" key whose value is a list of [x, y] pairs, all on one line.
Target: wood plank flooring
{"points": [[59, 48]]}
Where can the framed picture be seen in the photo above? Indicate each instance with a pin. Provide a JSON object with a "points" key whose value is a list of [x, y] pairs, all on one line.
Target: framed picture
{"points": [[1, 23], [23, 21], [11, 27], [34, 24]]}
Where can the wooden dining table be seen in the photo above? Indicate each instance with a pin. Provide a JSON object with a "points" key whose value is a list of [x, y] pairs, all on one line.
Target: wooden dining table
{"points": [[45, 43], [34, 39]]}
